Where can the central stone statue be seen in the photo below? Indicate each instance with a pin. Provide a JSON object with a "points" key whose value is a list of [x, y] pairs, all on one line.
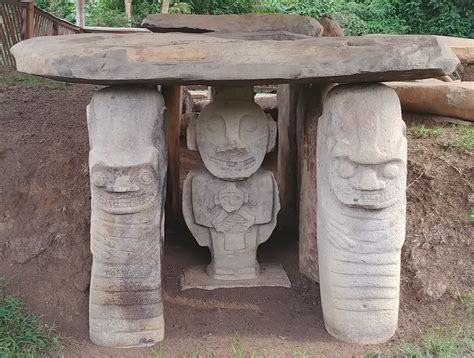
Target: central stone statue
{"points": [[230, 204]]}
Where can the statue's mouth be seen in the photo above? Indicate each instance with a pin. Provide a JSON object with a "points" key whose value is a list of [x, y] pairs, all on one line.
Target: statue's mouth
{"points": [[369, 199], [124, 203], [232, 164]]}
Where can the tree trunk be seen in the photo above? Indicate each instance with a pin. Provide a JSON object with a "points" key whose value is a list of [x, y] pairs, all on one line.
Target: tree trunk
{"points": [[165, 6], [128, 9], [80, 13]]}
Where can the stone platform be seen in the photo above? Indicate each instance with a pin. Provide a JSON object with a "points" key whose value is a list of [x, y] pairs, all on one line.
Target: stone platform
{"points": [[271, 275]]}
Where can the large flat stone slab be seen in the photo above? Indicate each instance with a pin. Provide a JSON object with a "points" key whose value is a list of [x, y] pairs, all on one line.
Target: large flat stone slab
{"points": [[450, 99], [233, 23], [114, 59], [271, 275], [463, 48]]}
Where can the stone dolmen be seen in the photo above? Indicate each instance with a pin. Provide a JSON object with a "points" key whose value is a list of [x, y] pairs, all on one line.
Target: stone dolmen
{"points": [[230, 205]]}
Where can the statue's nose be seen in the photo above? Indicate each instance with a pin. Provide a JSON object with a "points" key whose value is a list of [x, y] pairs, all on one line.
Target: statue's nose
{"points": [[122, 184], [367, 179]]}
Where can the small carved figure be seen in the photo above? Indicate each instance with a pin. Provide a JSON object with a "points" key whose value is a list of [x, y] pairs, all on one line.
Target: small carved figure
{"points": [[231, 206], [361, 179], [128, 175]]}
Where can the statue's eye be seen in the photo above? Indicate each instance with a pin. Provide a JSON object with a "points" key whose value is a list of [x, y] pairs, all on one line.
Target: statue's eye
{"points": [[145, 176], [248, 124], [99, 179], [215, 124], [390, 171], [345, 169]]}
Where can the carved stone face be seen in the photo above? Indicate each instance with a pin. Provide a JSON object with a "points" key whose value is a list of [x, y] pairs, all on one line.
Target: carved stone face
{"points": [[367, 145], [232, 138], [231, 199], [371, 186], [123, 190]]}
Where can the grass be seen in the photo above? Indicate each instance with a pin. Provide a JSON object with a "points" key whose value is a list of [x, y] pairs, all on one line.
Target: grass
{"points": [[465, 140], [17, 78], [440, 343], [420, 131], [23, 335], [470, 215]]}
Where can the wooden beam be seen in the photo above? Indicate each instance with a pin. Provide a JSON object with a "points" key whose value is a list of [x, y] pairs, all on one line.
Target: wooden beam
{"points": [[173, 102]]}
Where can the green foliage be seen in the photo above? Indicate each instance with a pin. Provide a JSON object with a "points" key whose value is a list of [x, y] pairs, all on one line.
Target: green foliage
{"points": [[357, 17], [64, 9], [22, 335], [106, 13], [420, 131], [181, 8], [218, 7]]}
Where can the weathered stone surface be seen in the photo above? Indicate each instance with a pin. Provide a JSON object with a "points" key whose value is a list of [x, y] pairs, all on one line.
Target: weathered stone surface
{"points": [[271, 275], [232, 218], [128, 181], [463, 48], [450, 99], [198, 59], [468, 73], [233, 23], [287, 95], [231, 206], [361, 184], [330, 27], [233, 134], [310, 106]]}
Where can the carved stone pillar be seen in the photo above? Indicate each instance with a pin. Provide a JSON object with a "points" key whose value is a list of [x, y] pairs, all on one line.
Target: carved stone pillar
{"points": [[361, 180], [127, 161], [231, 205]]}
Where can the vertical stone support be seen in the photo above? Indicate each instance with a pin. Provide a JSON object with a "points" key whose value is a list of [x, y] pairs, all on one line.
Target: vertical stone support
{"points": [[127, 163], [309, 110], [287, 97], [361, 185]]}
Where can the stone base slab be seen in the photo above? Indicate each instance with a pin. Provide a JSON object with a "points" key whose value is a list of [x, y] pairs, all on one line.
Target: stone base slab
{"points": [[271, 275]]}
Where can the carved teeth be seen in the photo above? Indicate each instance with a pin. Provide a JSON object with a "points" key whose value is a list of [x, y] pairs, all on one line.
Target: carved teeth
{"points": [[233, 164], [123, 201]]}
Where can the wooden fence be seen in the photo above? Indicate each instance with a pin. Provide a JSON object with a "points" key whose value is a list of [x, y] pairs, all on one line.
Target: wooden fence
{"points": [[22, 20]]}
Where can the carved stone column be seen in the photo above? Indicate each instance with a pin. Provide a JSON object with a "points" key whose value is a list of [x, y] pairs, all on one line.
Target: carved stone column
{"points": [[361, 180], [128, 187], [231, 205]]}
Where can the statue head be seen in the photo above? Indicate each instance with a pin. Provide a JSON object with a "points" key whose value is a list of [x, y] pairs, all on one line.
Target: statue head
{"points": [[367, 145], [125, 146], [232, 134], [231, 199]]}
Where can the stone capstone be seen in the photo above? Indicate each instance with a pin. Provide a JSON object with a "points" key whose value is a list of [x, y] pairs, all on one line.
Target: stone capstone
{"points": [[197, 59], [233, 23]]}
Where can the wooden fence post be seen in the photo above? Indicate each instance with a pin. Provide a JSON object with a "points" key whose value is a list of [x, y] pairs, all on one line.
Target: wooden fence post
{"points": [[30, 19]]}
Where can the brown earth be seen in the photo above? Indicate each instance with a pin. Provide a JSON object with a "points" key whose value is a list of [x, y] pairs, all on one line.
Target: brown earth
{"points": [[44, 242]]}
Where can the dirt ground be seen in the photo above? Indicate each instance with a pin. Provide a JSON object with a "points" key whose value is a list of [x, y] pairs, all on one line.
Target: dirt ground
{"points": [[44, 242]]}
